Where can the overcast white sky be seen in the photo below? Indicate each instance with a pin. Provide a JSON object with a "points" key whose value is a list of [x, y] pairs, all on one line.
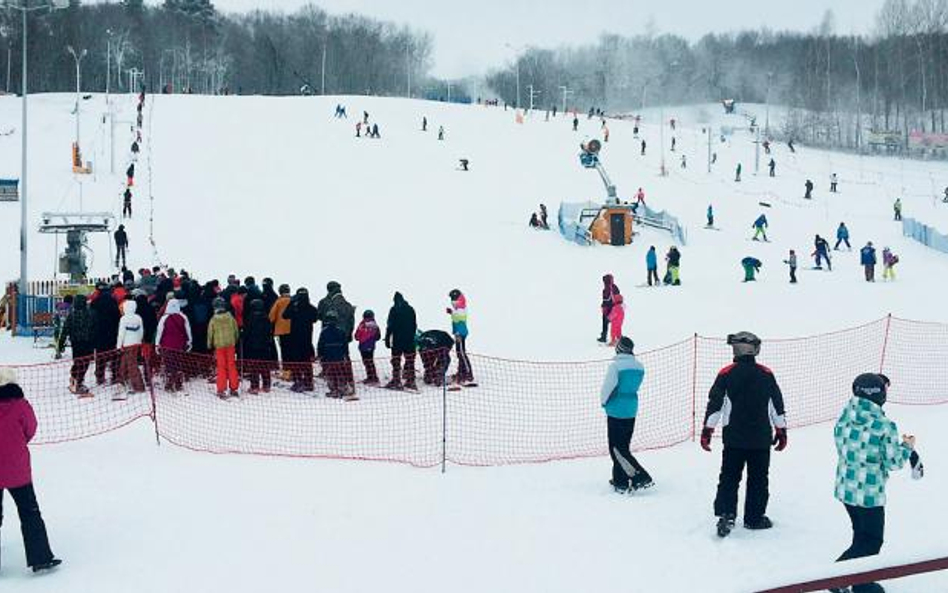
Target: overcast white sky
{"points": [[471, 35]]}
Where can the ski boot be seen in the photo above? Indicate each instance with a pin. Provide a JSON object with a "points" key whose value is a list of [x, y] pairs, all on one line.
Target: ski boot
{"points": [[758, 524], [53, 563], [725, 525]]}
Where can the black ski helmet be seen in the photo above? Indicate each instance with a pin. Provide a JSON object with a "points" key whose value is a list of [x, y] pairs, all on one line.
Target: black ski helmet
{"points": [[744, 344], [625, 345], [871, 386]]}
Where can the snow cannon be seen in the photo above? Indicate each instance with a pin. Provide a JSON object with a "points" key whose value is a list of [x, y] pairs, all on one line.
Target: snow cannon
{"points": [[589, 157]]}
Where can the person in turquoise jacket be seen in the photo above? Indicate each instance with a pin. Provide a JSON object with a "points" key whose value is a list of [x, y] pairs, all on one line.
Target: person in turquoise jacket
{"points": [[651, 265], [869, 448], [620, 400]]}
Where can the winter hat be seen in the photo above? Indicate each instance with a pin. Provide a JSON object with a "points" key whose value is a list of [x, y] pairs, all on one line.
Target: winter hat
{"points": [[871, 386], [368, 314], [454, 294], [219, 305], [333, 287], [625, 345], [744, 344], [8, 387], [284, 289]]}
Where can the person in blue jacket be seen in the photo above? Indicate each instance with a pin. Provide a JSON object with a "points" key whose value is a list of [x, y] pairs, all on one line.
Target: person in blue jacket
{"points": [[760, 227], [710, 216], [842, 236], [620, 400], [867, 257], [651, 262]]}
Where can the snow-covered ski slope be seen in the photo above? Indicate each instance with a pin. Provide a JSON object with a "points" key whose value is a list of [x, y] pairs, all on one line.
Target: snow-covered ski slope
{"points": [[277, 186]]}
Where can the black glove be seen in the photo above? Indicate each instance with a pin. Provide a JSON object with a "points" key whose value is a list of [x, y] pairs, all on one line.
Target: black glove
{"points": [[780, 439], [706, 433]]}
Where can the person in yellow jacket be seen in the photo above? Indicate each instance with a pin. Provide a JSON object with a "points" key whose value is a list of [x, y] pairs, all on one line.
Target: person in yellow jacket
{"points": [[281, 326], [222, 337]]}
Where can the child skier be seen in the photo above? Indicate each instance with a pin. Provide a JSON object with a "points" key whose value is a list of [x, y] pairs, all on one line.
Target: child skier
{"points": [[616, 318], [889, 260], [842, 236], [808, 186], [760, 227], [867, 257], [751, 268], [791, 261], [821, 252], [458, 313], [222, 338], [834, 181], [609, 291], [367, 335], [746, 397], [869, 447], [620, 400]]}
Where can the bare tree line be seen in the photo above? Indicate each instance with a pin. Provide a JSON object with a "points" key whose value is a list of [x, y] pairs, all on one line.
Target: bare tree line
{"points": [[839, 88], [188, 46]]}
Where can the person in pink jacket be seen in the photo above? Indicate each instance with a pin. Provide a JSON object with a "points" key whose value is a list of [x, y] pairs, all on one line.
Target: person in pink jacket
{"points": [[17, 427], [616, 317]]}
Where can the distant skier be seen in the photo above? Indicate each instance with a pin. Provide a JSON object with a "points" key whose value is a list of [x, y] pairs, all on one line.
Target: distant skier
{"points": [[772, 165], [821, 252], [897, 208], [889, 260], [127, 203], [746, 397], [710, 216], [834, 181], [737, 174], [440, 132], [643, 147], [605, 133], [375, 130], [365, 118], [869, 448], [684, 162], [751, 267], [121, 245], [867, 257], [809, 190], [673, 262], [651, 266], [619, 397], [609, 291], [791, 261], [673, 144], [575, 123], [767, 147], [714, 158], [130, 175], [543, 217], [359, 130], [465, 164], [535, 222], [424, 124], [842, 236], [760, 228], [135, 149], [790, 146], [640, 199]]}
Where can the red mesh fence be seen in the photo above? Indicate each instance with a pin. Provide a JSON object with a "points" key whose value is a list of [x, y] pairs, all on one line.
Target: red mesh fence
{"points": [[519, 412]]}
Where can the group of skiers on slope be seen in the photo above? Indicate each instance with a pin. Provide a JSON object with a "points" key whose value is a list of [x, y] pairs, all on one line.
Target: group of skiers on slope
{"points": [[612, 305], [821, 249], [746, 399], [154, 322], [120, 236]]}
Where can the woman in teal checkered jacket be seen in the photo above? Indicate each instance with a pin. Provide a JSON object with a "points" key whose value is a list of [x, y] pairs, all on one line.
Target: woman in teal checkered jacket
{"points": [[869, 448]]}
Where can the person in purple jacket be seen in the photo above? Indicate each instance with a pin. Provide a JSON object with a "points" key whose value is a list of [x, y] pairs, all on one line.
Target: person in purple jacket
{"points": [[173, 339], [17, 427]]}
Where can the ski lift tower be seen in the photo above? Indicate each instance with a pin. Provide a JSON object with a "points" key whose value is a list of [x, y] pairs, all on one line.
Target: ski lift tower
{"points": [[76, 226], [589, 158]]}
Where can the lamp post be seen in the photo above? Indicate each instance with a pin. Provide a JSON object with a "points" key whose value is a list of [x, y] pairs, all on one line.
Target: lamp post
{"points": [[26, 7], [5, 33], [77, 57], [517, 49], [770, 75]]}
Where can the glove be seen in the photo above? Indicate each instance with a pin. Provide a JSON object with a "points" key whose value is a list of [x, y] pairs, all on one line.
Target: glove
{"points": [[780, 439], [449, 311], [706, 434]]}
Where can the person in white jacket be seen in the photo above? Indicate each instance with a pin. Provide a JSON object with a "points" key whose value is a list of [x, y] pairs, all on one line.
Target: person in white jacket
{"points": [[131, 331]]}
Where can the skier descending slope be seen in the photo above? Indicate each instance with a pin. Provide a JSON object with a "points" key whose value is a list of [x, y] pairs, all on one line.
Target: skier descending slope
{"points": [[620, 400], [746, 397]]}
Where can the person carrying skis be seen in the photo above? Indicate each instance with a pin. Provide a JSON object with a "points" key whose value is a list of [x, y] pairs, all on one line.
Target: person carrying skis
{"points": [[897, 209], [821, 252], [609, 290], [17, 427], [751, 267], [710, 215], [869, 448], [867, 257], [791, 261], [842, 236], [619, 398], [889, 260], [651, 265], [367, 335], [121, 245], [458, 313], [760, 227], [746, 397], [400, 331], [808, 187]]}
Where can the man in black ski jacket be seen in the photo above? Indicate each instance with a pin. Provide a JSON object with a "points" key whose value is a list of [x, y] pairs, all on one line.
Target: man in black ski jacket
{"points": [[121, 244], [745, 397], [106, 316], [400, 339], [300, 354]]}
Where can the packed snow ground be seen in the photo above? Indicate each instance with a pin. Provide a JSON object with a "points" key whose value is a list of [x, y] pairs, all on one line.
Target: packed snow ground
{"points": [[276, 186]]}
